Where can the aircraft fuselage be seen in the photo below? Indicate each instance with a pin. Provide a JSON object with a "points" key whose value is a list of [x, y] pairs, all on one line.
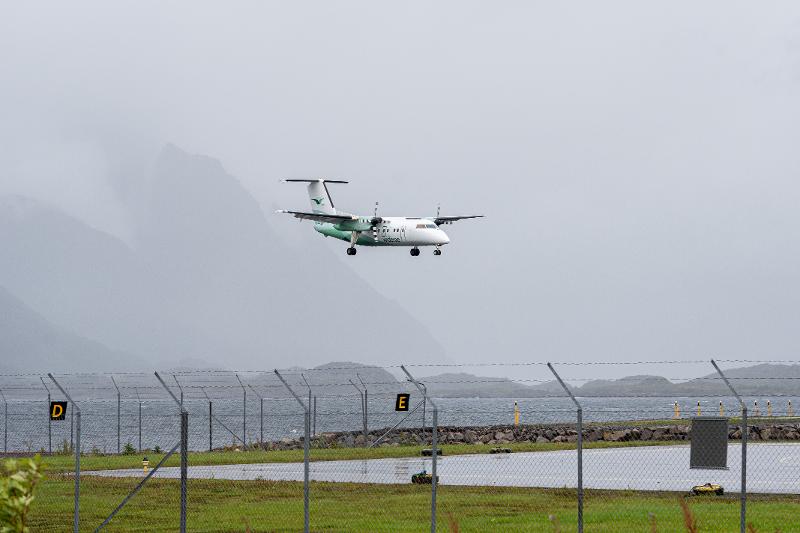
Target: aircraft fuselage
{"points": [[391, 231]]}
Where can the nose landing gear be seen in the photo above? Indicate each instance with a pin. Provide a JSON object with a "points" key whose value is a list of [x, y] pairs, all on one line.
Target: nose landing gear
{"points": [[351, 250], [414, 252], [437, 251]]}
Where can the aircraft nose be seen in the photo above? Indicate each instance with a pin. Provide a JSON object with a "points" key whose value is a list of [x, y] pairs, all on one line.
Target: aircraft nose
{"points": [[443, 238]]}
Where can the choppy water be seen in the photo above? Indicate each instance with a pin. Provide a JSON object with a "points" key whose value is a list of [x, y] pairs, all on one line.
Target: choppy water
{"points": [[27, 421]]}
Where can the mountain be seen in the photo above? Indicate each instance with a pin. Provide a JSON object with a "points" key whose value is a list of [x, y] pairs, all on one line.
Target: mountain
{"points": [[204, 279], [467, 385], [761, 379], [29, 342]]}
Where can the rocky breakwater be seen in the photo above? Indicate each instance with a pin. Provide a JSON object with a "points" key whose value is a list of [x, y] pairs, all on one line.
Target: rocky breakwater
{"points": [[562, 433]]}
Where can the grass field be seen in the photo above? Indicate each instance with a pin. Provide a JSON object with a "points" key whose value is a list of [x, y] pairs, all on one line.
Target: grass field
{"points": [[65, 463], [223, 505], [216, 505]]}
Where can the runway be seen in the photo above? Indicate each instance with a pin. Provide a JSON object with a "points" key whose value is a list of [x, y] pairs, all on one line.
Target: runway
{"points": [[771, 468]]}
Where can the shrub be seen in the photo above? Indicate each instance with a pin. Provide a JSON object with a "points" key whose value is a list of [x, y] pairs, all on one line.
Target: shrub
{"points": [[16, 493], [128, 449]]}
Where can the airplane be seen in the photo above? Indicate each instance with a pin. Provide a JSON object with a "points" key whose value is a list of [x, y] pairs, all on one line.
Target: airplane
{"points": [[371, 230]]}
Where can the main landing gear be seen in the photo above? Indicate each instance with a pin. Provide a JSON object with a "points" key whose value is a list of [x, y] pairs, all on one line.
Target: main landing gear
{"points": [[351, 250], [414, 252]]}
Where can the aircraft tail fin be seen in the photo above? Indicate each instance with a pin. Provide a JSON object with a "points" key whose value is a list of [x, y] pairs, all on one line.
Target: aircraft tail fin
{"points": [[319, 196]]}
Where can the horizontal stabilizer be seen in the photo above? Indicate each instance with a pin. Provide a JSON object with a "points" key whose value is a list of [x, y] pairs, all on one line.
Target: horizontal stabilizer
{"points": [[313, 181]]}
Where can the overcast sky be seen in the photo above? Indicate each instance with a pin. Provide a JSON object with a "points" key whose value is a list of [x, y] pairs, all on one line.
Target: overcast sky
{"points": [[637, 163]]}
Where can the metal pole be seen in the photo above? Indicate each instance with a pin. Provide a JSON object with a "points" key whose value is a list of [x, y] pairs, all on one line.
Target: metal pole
{"points": [[118, 412], [137, 488], [260, 415], [380, 439], [306, 521], [5, 422], [184, 464], [434, 450], [579, 415], [210, 417], [139, 399], [743, 491], [244, 412], [424, 405], [71, 427], [49, 420], [309, 395], [366, 409], [184, 448], [179, 387], [77, 497], [314, 429], [363, 418]]}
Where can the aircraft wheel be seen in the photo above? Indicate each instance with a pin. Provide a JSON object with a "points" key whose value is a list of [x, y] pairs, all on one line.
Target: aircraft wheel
{"points": [[437, 252], [351, 251], [414, 252]]}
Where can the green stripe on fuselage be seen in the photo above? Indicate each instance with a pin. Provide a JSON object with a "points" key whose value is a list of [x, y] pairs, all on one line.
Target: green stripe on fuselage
{"points": [[329, 230]]}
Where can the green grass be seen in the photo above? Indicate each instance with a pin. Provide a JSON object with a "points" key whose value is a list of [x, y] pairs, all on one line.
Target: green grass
{"points": [[65, 463], [222, 506]]}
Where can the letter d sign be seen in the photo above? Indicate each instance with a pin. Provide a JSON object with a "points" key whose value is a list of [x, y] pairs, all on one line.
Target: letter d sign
{"points": [[58, 410]]}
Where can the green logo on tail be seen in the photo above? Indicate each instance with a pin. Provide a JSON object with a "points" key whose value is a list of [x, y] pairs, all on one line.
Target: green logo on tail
{"points": [[318, 201]]}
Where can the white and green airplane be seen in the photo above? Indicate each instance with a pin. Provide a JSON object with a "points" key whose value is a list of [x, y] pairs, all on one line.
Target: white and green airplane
{"points": [[372, 230]]}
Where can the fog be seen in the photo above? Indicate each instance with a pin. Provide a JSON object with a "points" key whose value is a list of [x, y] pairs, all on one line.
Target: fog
{"points": [[637, 163]]}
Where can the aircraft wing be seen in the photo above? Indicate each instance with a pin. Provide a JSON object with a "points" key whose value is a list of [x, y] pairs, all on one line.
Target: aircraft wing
{"points": [[319, 217], [448, 220]]}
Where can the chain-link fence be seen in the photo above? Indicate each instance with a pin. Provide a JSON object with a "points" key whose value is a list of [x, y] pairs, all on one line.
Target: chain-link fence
{"points": [[528, 447]]}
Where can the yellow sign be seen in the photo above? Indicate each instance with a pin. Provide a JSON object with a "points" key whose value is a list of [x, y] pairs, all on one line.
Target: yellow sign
{"points": [[58, 410], [402, 402]]}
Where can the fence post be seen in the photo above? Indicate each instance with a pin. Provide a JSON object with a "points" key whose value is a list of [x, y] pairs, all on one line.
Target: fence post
{"points": [[140, 418], [434, 449], [118, 411], [180, 387], [184, 448], [244, 412], [363, 414], [76, 408], [424, 404], [5, 422], [314, 429], [579, 414], [366, 408], [49, 420], [210, 415], [260, 415], [306, 420], [743, 490], [309, 401]]}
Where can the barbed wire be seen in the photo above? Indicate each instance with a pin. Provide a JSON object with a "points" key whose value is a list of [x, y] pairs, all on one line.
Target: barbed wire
{"points": [[296, 370]]}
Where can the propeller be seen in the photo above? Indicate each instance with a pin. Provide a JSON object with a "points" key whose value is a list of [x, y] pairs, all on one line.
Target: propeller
{"points": [[375, 221], [439, 222]]}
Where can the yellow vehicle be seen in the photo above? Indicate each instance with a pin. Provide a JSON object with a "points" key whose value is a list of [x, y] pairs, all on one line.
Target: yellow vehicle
{"points": [[708, 488]]}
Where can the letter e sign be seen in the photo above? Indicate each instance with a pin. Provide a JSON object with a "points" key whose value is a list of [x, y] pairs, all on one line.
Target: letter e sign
{"points": [[402, 402]]}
